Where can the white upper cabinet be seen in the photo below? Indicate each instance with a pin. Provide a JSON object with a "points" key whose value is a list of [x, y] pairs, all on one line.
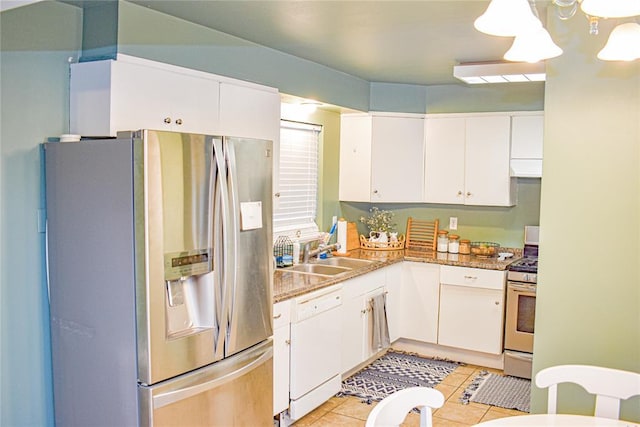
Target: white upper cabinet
{"points": [[111, 96], [467, 160], [381, 158], [249, 112], [133, 93], [444, 163], [527, 134], [355, 158]]}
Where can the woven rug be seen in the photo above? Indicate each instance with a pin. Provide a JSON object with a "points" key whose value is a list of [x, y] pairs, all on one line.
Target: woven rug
{"points": [[497, 390], [395, 371]]}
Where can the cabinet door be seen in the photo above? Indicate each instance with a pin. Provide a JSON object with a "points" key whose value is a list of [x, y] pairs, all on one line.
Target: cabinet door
{"points": [[140, 98], [252, 113], [195, 103], [111, 96], [367, 337], [471, 318], [281, 357], [355, 158], [152, 98], [444, 160], [527, 134], [353, 330], [487, 175], [395, 309], [249, 112], [420, 301], [397, 159]]}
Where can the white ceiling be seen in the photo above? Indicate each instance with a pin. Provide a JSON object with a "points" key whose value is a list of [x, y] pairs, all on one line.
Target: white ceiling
{"points": [[412, 42]]}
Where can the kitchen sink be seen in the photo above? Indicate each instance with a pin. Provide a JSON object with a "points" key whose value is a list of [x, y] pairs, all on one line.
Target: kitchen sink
{"points": [[345, 262], [324, 270]]}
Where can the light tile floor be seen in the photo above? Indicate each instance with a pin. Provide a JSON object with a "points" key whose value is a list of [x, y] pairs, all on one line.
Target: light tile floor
{"points": [[350, 411]]}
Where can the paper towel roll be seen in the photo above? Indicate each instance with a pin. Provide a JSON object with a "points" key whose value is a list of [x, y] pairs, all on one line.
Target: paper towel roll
{"points": [[342, 236]]}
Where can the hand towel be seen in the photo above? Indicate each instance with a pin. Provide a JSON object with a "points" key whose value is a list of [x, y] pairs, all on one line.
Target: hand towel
{"points": [[380, 327]]}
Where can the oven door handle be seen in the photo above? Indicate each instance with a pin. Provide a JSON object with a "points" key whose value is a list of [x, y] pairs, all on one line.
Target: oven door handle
{"points": [[521, 288], [520, 356]]}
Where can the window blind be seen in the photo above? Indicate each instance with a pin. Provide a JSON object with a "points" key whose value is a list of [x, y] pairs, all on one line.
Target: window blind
{"points": [[298, 179]]}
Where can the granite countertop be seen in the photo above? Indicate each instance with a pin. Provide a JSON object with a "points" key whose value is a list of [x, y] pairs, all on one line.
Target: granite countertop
{"points": [[289, 284]]}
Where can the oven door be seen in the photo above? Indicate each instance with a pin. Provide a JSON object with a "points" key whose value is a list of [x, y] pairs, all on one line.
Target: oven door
{"points": [[520, 317]]}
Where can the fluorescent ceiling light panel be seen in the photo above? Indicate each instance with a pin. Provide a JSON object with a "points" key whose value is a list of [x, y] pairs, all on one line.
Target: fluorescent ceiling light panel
{"points": [[499, 72]]}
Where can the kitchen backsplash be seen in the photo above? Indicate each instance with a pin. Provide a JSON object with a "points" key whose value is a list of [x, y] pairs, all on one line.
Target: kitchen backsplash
{"points": [[503, 225]]}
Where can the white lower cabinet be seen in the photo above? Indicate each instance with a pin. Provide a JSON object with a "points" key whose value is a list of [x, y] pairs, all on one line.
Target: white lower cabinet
{"points": [[419, 301], [395, 311], [281, 358], [472, 309], [356, 317]]}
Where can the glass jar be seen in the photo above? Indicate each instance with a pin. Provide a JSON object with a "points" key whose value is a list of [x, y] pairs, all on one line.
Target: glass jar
{"points": [[465, 247], [454, 244], [443, 241]]}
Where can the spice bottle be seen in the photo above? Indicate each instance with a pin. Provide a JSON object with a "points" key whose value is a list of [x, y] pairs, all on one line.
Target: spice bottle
{"points": [[443, 241], [465, 247], [454, 244]]}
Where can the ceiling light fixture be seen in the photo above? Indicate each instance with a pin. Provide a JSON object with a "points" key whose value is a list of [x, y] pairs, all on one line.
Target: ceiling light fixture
{"points": [[623, 43], [532, 42], [493, 21], [533, 46], [499, 72]]}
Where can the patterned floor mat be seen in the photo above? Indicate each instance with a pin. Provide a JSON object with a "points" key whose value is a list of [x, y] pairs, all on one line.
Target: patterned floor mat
{"points": [[395, 371], [498, 390]]}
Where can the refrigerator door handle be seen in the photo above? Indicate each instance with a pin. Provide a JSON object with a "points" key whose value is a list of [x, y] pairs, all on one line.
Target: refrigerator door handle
{"points": [[222, 291], [233, 229], [208, 383]]}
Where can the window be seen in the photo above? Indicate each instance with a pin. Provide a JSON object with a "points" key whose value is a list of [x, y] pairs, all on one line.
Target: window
{"points": [[298, 179]]}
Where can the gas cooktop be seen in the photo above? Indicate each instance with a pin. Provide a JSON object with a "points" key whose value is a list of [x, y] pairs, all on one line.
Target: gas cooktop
{"points": [[525, 265]]}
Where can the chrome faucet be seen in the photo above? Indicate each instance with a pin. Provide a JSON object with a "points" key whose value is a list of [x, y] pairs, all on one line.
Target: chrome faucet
{"points": [[307, 253]]}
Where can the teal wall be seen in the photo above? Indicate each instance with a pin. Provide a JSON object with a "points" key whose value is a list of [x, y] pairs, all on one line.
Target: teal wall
{"points": [[588, 299], [36, 42]]}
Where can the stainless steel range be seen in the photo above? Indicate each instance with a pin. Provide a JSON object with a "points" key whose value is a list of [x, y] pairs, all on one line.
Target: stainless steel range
{"points": [[522, 276]]}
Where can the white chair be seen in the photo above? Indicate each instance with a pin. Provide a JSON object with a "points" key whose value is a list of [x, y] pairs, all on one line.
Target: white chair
{"points": [[393, 409], [609, 385]]}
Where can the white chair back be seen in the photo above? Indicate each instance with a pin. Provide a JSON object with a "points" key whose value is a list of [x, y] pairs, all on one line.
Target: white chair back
{"points": [[393, 409], [609, 385]]}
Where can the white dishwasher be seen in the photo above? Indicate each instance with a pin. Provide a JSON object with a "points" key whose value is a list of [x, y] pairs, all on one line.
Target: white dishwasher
{"points": [[315, 350]]}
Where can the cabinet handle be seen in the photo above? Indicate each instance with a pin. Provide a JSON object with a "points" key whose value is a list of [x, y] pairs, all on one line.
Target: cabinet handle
{"points": [[277, 195], [375, 191], [497, 303], [288, 342], [167, 120], [179, 121], [277, 316], [363, 311], [459, 193], [471, 277], [468, 194]]}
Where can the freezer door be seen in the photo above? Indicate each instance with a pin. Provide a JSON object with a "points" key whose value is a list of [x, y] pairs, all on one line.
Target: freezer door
{"points": [[175, 277], [236, 391], [250, 279]]}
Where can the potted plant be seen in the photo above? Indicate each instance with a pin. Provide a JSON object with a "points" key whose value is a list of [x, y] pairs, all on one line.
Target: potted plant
{"points": [[379, 223]]}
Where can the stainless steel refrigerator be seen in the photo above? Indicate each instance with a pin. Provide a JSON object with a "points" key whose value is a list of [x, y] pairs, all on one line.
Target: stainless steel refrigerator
{"points": [[160, 280]]}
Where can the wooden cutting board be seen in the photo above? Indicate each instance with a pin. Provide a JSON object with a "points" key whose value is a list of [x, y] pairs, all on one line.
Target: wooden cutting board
{"points": [[353, 240]]}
